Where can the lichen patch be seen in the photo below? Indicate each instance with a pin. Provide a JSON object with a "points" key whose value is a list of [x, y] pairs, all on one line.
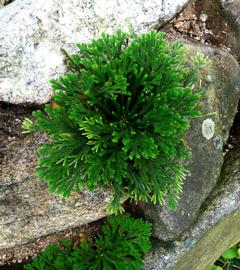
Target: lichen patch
{"points": [[208, 128]]}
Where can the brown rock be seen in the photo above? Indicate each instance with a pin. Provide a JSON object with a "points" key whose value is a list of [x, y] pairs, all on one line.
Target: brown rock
{"points": [[27, 210]]}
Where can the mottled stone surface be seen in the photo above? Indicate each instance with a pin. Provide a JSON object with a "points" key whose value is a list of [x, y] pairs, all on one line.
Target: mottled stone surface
{"points": [[216, 229], [5, 2], [229, 11], [205, 137], [27, 210], [33, 31], [232, 8]]}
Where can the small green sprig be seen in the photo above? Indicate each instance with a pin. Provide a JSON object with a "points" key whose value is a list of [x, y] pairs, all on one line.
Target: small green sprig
{"points": [[27, 126]]}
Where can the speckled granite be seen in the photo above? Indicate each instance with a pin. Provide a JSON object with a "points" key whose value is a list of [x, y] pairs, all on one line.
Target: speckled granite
{"points": [[33, 31], [27, 210]]}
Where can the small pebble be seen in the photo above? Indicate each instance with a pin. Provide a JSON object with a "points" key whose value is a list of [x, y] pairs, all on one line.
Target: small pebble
{"points": [[203, 17]]}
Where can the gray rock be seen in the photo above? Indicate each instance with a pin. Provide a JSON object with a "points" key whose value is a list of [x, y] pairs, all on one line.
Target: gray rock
{"points": [[216, 229], [27, 210], [205, 137], [232, 8], [33, 31]]}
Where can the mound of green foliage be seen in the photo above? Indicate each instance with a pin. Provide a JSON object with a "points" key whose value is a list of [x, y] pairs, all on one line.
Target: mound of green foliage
{"points": [[230, 259], [119, 119], [120, 247]]}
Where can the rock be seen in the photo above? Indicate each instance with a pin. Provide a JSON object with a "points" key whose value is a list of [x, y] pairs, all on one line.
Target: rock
{"points": [[216, 229], [232, 8], [33, 31], [5, 2], [206, 136], [27, 210]]}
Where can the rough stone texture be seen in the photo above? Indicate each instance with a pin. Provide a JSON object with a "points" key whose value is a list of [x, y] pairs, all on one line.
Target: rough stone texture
{"points": [[33, 31], [216, 229], [205, 137], [5, 2], [232, 8], [229, 11], [27, 210]]}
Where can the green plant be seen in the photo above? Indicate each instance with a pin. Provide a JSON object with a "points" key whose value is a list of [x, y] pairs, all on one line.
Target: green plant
{"points": [[120, 118], [54, 257], [120, 247], [230, 259]]}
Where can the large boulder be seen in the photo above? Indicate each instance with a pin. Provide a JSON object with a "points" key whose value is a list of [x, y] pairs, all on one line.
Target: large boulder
{"points": [[206, 137], [33, 31], [216, 229], [27, 210]]}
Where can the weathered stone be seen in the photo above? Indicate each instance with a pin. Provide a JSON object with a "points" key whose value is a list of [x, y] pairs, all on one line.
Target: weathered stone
{"points": [[5, 2], [232, 8], [205, 137], [230, 16], [216, 229], [33, 31], [27, 210]]}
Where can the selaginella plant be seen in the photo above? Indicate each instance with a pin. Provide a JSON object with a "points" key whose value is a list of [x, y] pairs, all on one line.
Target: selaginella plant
{"points": [[120, 247], [120, 118]]}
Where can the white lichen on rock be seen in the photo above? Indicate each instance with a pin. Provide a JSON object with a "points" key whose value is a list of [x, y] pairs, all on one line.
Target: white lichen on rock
{"points": [[208, 128]]}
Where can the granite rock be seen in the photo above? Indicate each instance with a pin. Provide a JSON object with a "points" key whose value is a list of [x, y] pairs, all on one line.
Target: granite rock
{"points": [[216, 229], [206, 137], [27, 210], [33, 31]]}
